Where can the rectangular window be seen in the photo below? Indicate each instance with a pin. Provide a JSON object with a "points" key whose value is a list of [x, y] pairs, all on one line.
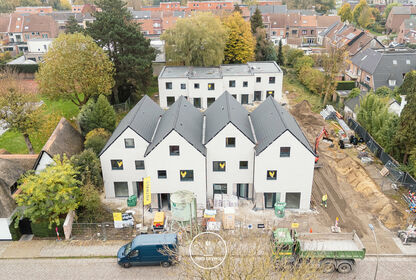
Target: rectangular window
{"points": [[183, 86], [168, 85], [293, 200], [271, 174], [186, 175], [272, 80], [244, 99], [117, 164], [218, 166], [196, 85], [243, 164], [139, 164], [284, 151], [174, 150], [121, 189], [304, 32], [231, 83], [197, 102], [162, 174], [269, 200], [129, 143], [220, 188], [170, 100], [245, 84], [242, 190], [210, 100], [270, 93], [211, 86], [258, 79], [394, 62], [367, 78], [257, 95], [392, 83], [230, 142], [407, 61]]}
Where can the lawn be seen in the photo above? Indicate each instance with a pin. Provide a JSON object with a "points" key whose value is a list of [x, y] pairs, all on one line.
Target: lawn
{"points": [[292, 84], [14, 142]]}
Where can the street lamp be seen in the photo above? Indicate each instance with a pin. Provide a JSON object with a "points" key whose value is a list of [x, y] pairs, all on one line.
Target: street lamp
{"points": [[375, 239]]}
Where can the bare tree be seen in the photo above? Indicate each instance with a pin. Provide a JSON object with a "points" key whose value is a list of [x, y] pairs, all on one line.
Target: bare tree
{"points": [[333, 63]]}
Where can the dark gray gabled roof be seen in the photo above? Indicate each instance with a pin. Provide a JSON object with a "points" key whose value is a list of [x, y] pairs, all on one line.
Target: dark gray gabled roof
{"points": [[226, 109], [367, 60], [269, 9], [142, 119], [270, 120], [354, 103], [186, 120]]}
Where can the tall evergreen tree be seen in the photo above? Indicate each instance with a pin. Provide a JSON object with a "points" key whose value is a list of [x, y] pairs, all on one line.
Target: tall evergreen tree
{"points": [[265, 50], [256, 21], [72, 26], [130, 52], [280, 58]]}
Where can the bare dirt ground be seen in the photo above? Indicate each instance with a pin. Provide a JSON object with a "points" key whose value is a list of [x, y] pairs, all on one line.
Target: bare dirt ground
{"points": [[353, 196]]}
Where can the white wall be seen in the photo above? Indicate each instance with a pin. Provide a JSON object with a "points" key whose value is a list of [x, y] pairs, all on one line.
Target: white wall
{"points": [[4, 229], [217, 151], [129, 173], [294, 173], [189, 159], [38, 46], [44, 162]]}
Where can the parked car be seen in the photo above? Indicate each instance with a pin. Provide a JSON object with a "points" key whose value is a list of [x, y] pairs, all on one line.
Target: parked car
{"points": [[148, 249]]}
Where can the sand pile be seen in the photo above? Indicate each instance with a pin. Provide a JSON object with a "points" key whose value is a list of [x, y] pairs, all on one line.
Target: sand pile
{"points": [[378, 203], [310, 122]]}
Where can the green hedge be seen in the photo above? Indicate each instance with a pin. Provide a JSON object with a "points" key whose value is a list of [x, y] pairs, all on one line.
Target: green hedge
{"points": [[345, 85], [15, 232], [21, 68], [41, 229]]}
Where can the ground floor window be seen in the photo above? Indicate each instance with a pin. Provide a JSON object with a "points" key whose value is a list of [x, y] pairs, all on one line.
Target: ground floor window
{"points": [[242, 190], [257, 95], [197, 102], [293, 200], [270, 93], [244, 99], [269, 200], [170, 100], [121, 189], [220, 188], [210, 100]]}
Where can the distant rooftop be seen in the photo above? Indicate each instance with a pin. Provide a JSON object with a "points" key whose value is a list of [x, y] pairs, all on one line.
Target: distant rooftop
{"points": [[250, 68]]}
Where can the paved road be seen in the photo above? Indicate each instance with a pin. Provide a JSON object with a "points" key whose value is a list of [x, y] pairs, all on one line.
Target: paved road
{"points": [[389, 269]]}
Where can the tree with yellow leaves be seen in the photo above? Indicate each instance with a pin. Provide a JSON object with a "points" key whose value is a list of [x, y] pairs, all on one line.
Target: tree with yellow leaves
{"points": [[240, 44]]}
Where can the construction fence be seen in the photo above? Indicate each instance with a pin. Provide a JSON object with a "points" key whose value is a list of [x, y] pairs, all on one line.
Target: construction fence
{"points": [[101, 231], [400, 177]]}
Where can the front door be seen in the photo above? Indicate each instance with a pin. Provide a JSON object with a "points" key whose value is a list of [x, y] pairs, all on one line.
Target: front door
{"points": [[163, 201], [269, 200], [139, 188]]}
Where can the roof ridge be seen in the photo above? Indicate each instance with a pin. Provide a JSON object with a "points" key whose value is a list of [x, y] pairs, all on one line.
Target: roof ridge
{"points": [[227, 102], [137, 111], [175, 122], [277, 110]]}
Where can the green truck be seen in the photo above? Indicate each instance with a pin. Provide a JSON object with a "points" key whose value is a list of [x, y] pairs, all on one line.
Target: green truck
{"points": [[336, 251]]}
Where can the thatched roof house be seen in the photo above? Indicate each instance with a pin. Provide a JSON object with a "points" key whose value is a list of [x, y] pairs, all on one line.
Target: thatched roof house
{"points": [[65, 139]]}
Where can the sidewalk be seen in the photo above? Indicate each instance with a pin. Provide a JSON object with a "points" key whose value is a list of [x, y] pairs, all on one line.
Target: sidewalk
{"points": [[56, 249]]}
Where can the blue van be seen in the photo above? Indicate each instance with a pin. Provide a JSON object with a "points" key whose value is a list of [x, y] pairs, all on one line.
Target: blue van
{"points": [[146, 250]]}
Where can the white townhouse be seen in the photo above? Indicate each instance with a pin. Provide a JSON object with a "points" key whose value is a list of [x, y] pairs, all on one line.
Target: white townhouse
{"points": [[229, 139], [262, 156], [248, 83], [284, 158]]}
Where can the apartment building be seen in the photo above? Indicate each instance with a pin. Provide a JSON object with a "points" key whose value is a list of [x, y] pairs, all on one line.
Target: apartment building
{"points": [[261, 156], [247, 83]]}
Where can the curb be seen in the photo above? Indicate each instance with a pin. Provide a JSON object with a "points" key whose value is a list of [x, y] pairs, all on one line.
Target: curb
{"points": [[391, 255], [59, 257]]}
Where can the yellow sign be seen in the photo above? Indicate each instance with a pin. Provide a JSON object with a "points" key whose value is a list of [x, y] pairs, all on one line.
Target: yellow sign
{"points": [[222, 165], [120, 163], [271, 174], [147, 197], [295, 225], [117, 217], [183, 174]]}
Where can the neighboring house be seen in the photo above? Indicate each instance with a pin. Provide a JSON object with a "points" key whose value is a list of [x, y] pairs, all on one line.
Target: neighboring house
{"points": [[396, 107], [122, 158], [250, 82], [65, 139], [352, 105], [230, 143], [223, 150], [62, 17], [407, 32], [37, 48], [34, 9], [396, 17], [382, 67], [284, 162], [12, 167]]}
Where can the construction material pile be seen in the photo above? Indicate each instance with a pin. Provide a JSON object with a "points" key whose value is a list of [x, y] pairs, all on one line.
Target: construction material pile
{"points": [[225, 200], [329, 113], [410, 198]]}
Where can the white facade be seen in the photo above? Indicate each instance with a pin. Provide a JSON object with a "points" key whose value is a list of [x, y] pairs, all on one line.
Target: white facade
{"points": [[189, 158], [294, 174], [247, 83], [4, 229], [233, 175], [44, 161], [129, 174], [39, 45]]}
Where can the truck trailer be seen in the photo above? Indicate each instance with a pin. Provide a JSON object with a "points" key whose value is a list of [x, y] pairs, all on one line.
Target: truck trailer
{"points": [[335, 251]]}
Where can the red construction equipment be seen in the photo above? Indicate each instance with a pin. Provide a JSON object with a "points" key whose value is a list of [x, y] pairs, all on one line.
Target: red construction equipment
{"points": [[323, 135]]}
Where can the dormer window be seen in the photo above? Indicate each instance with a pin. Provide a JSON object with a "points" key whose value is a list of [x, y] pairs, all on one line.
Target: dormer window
{"points": [[394, 62]]}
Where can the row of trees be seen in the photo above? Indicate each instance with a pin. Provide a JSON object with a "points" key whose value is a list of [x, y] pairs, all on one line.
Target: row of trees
{"points": [[362, 15], [209, 40], [7, 6]]}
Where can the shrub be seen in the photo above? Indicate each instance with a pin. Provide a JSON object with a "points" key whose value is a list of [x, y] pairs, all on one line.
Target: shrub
{"points": [[354, 93], [383, 91], [345, 85], [99, 114], [312, 79], [89, 168], [41, 229], [96, 139], [90, 205]]}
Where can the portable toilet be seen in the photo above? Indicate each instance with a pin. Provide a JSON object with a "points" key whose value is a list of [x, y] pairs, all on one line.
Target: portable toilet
{"points": [[183, 206]]}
